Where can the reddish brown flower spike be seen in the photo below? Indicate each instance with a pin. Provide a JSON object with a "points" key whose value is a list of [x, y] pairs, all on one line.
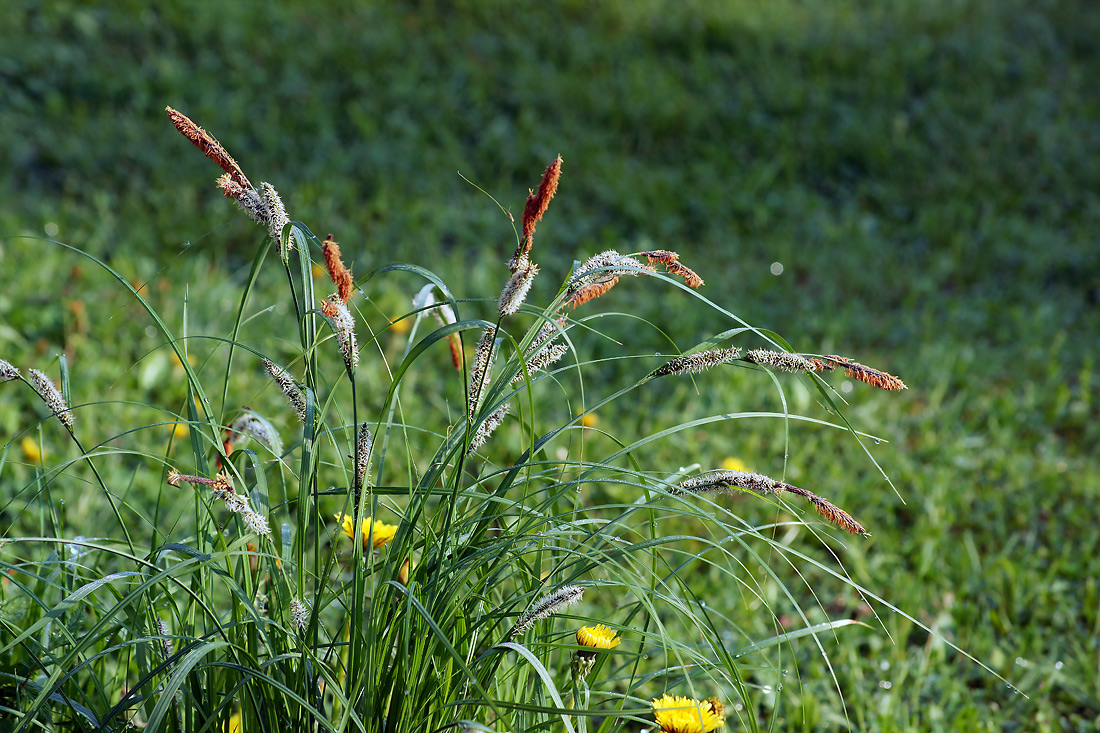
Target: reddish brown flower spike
{"points": [[537, 203], [210, 147], [336, 269], [671, 261], [873, 377], [591, 292], [456, 352]]}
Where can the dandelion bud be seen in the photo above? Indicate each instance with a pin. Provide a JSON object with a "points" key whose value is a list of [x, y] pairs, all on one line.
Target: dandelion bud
{"points": [[548, 605], [287, 386], [699, 362], [782, 361], [7, 372], [52, 396]]}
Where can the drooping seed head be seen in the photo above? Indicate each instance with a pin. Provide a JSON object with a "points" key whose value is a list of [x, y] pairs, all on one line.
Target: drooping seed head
{"points": [[698, 362], [255, 426], [482, 371], [288, 387], [546, 606], [7, 371], [52, 396], [210, 147], [857, 371], [781, 361], [491, 423]]}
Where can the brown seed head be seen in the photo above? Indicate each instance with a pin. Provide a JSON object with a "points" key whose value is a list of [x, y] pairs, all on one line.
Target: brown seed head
{"points": [[210, 147], [873, 377], [336, 269], [537, 203]]}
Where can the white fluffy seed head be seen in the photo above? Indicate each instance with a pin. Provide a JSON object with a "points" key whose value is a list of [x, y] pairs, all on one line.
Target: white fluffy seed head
{"points": [[255, 426], [515, 291], [299, 613], [52, 396], [288, 387], [363, 444], [487, 427], [781, 361], [697, 363], [548, 605], [256, 522], [343, 324], [276, 218], [7, 372]]}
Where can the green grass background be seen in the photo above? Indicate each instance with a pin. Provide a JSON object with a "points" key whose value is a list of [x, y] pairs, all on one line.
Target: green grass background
{"points": [[927, 173]]}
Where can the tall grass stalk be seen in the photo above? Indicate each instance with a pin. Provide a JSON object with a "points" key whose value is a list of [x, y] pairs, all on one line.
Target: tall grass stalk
{"points": [[493, 566]]}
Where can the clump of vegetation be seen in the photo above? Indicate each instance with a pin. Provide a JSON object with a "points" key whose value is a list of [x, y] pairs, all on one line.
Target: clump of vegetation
{"points": [[508, 565]]}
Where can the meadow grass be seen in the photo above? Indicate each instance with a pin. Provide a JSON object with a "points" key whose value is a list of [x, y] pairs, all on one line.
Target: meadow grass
{"points": [[926, 175], [234, 602]]}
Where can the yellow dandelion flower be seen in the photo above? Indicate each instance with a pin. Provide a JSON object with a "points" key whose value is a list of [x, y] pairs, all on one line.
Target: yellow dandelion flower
{"points": [[590, 420], [734, 464], [597, 637], [686, 715], [381, 531], [318, 271], [31, 451], [402, 326], [234, 725]]}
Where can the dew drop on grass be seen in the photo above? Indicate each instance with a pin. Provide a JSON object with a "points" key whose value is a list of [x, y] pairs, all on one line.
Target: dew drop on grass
{"points": [[767, 689], [878, 442], [884, 665], [1057, 665], [885, 684]]}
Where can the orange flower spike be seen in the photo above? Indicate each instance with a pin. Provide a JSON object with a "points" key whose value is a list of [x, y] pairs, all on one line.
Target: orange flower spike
{"points": [[340, 274], [210, 147]]}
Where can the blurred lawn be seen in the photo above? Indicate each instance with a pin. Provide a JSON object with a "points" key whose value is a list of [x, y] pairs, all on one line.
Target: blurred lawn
{"points": [[926, 173]]}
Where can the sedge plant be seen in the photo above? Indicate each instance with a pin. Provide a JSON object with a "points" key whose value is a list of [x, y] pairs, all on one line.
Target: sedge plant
{"points": [[417, 548]]}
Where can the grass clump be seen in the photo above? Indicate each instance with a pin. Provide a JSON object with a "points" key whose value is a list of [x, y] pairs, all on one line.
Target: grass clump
{"points": [[501, 563]]}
